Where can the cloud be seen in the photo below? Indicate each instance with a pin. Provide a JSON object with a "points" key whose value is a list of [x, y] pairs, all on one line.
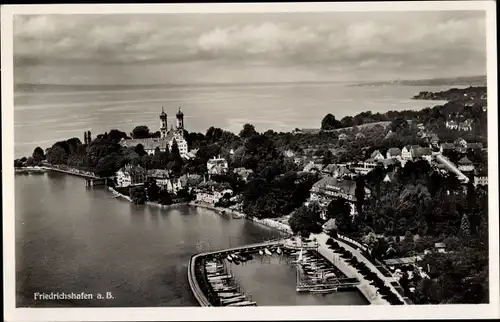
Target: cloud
{"points": [[343, 41]]}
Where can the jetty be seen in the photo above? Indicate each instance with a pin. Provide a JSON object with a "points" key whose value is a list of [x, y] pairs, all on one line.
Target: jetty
{"points": [[91, 179]]}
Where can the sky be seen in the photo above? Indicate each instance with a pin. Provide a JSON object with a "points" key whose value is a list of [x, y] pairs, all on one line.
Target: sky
{"points": [[132, 49]]}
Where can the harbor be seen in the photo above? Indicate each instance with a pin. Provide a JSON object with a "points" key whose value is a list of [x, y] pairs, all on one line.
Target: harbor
{"points": [[217, 278]]}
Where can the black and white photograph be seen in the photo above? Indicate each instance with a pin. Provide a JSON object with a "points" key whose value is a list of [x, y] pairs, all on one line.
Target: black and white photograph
{"points": [[320, 160]]}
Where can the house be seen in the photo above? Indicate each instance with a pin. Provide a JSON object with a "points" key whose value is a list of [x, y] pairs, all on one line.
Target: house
{"points": [[446, 147], [313, 167], [421, 153], [465, 126], [243, 173], [189, 180], [130, 175], [364, 167], [408, 151], [480, 180], [338, 171], [161, 177], [212, 196], [452, 125], [330, 188], [376, 155], [389, 162], [217, 165], [434, 140], [474, 146], [460, 143], [440, 247], [394, 153], [191, 154], [389, 177], [343, 136], [465, 164]]}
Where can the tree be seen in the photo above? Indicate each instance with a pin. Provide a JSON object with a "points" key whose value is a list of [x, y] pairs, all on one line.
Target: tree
{"points": [[398, 124], [330, 123], [165, 198], [328, 157], [306, 220], [116, 135], [247, 131], [139, 149], [30, 162], [138, 195], [38, 155], [57, 155], [108, 165], [141, 132], [359, 192], [464, 226], [89, 137], [153, 191]]}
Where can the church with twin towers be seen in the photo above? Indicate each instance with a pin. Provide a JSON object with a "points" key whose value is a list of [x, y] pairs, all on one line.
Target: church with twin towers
{"points": [[167, 136]]}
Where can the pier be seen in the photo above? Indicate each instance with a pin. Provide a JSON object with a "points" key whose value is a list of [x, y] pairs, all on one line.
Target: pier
{"points": [[91, 179]]}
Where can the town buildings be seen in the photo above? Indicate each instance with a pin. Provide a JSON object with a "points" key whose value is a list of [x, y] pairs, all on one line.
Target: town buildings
{"points": [[217, 165], [465, 165], [130, 175], [166, 139], [394, 153], [243, 173], [480, 180], [330, 188]]}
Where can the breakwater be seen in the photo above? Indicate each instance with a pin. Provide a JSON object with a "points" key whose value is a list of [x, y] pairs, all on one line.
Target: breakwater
{"points": [[196, 289]]}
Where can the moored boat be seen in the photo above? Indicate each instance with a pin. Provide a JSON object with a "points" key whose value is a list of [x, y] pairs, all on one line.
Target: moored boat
{"points": [[267, 251]]}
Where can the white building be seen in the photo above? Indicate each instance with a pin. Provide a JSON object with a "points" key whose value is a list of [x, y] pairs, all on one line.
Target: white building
{"points": [[377, 155], [212, 197], [452, 125], [481, 181], [166, 139], [217, 165], [160, 176], [130, 175]]}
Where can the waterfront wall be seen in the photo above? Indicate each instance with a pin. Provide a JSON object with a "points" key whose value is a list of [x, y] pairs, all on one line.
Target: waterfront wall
{"points": [[265, 222]]}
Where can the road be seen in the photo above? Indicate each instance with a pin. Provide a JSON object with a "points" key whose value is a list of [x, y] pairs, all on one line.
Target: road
{"points": [[365, 287]]}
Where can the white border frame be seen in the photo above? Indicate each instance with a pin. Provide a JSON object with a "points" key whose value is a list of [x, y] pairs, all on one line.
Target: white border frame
{"points": [[260, 313]]}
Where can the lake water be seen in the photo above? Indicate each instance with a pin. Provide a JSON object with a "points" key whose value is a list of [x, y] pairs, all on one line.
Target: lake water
{"points": [[73, 239], [43, 117]]}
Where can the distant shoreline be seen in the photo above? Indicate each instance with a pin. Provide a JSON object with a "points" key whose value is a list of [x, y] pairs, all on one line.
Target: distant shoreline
{"points": [[457, 81]]}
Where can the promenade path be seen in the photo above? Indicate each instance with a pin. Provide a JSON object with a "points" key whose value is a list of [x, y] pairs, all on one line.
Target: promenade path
{"points": [[368, 290]]}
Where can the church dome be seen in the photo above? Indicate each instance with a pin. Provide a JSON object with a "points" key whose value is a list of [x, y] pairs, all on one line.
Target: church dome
{"points": [[163, 114], [179, 113]]}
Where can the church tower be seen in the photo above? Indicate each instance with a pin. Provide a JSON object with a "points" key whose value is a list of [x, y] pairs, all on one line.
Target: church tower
{"points": [[180, 120], [163, 124]]}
